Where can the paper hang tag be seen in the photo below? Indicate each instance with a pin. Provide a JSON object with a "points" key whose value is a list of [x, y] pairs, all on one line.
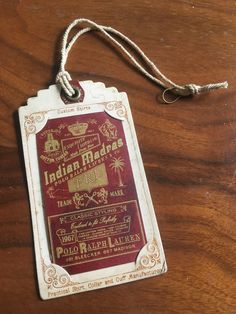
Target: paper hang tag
{"points": [[93, 220]]}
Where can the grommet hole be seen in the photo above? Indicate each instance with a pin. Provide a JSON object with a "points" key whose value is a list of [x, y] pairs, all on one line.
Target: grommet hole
{"points": [[76, 94]]}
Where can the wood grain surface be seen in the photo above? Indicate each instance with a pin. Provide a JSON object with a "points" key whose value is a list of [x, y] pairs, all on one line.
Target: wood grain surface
{"points": [[188, 148]]}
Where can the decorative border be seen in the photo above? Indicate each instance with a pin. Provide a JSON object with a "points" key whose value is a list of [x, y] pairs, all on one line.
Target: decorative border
{"points": [[152, 258], [118, 108], [53, 279], [32, 120]]}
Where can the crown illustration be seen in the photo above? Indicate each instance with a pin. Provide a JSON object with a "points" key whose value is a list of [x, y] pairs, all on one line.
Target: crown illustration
{"points": [[78, 128]]}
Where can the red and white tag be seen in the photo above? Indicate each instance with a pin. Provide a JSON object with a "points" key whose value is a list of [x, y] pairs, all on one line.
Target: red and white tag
{"points": [[93, 220]]}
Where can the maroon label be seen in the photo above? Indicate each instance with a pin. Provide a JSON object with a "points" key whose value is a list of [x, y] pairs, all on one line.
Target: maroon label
{"points": [[89, 195]]}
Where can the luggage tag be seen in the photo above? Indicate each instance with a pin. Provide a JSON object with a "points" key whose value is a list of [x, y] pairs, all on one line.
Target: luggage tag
{"points": [[93, 220]]}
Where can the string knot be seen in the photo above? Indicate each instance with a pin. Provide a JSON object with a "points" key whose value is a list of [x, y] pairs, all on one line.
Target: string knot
{"points": [[193, 89], [63, 78]]}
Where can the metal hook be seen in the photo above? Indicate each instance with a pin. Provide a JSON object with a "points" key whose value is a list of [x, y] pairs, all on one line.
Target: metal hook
{"points": [[166, 101]]}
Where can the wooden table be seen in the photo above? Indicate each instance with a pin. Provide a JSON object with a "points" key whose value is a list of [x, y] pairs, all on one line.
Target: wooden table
{"points": [[188, 148]]}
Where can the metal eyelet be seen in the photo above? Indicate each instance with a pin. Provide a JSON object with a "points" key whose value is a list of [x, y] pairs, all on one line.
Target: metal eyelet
{"points": [[76, 95]]}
